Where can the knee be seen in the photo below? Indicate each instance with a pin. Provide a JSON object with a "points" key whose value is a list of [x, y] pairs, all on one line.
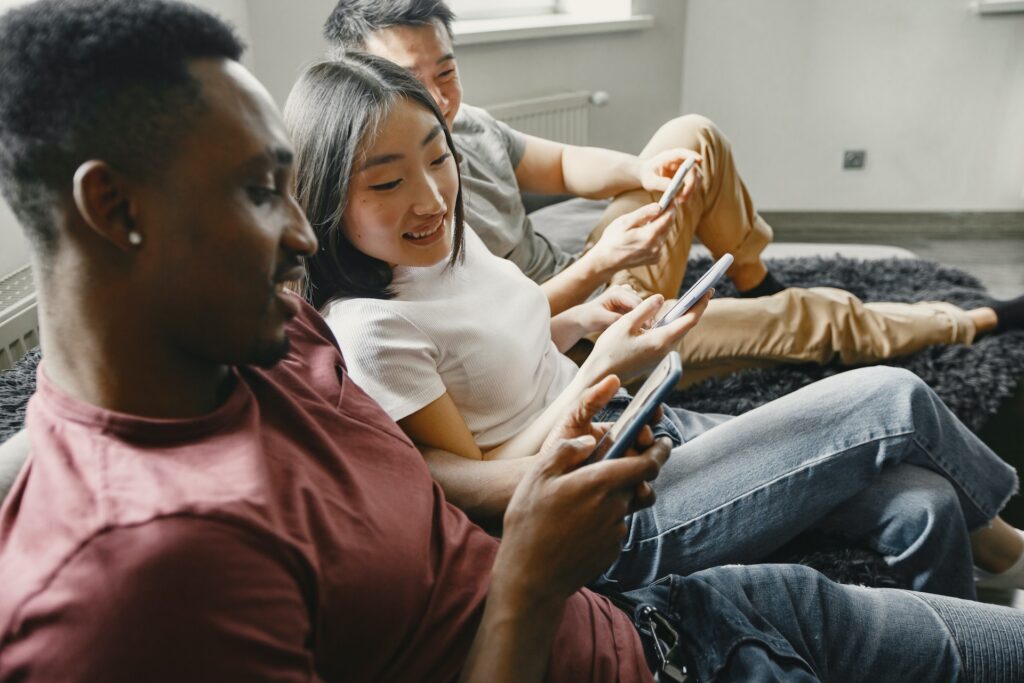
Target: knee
{"points": [[886, 381], [691, 131]]}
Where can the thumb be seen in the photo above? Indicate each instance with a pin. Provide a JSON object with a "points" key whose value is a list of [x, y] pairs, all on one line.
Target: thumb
{"points": [[644, 312]]}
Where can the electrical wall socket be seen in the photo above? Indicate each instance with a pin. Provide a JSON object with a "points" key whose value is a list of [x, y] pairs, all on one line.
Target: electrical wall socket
{"points": [[854, 158]]}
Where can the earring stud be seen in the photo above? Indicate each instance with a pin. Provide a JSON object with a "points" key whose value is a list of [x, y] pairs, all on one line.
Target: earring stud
{"points": [[134, 238]]}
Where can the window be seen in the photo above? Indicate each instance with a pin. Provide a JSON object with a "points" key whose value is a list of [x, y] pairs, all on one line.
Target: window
{"points": [[499, 9]]}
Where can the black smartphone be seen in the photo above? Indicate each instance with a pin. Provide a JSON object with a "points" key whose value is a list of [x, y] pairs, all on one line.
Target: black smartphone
{"points": [[620, 437]]}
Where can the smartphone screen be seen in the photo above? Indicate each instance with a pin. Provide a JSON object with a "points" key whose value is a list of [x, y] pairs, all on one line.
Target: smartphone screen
{"points": [[620, 437]]}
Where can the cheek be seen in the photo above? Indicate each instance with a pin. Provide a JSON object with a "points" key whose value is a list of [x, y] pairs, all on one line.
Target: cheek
{"points": [[369, 224]]}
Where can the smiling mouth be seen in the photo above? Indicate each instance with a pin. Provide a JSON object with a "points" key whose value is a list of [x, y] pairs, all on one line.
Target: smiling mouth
{"points": [[424, 234]]}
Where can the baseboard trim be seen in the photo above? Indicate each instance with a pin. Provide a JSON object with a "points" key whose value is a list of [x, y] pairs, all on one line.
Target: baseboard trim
{"points": [[976, 224]]}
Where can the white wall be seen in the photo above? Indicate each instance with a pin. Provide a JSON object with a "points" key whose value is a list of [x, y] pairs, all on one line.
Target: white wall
{"points": [[934, 92], [627, 65], [13, 248]]}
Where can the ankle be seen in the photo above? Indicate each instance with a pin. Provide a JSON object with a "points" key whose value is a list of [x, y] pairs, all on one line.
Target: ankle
{"points": [[768, 286]]}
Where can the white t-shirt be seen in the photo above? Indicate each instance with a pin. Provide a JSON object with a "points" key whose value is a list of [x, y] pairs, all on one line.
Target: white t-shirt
{"points": [[480, 331]]}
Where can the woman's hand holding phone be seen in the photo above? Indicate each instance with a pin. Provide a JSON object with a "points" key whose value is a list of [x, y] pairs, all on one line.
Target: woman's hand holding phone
{"points": [[603, 311], [630, 346]]}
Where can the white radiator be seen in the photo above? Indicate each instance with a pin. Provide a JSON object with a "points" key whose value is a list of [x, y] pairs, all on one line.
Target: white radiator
{"points": [[19, 324], [564, 117]]}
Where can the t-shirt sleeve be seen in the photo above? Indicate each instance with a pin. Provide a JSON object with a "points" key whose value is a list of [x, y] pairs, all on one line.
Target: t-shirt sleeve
{"points": [[512, 139], [176, 599], [388, 356]]}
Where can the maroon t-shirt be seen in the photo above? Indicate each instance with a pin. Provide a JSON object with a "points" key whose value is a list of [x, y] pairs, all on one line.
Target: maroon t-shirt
{"points": [[293, 534]]}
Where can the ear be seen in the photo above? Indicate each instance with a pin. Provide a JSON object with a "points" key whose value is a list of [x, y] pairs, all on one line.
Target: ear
{"points": [[103, 201]]}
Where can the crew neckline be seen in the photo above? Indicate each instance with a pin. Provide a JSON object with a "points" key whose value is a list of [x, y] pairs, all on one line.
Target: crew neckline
{"points": [[63, 406]]}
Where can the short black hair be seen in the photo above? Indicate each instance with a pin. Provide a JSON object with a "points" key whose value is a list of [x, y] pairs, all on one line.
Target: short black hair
{"points": [[95, 79], [352, 21], [333, 112]]}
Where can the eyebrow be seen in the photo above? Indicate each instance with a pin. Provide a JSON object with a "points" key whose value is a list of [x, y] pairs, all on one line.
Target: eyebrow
{"points": [[276, 156], [445, 58], [388, 158]]}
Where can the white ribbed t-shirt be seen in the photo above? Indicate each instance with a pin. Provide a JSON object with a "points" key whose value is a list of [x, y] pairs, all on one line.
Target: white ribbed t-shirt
{"points": [[480, 331]]}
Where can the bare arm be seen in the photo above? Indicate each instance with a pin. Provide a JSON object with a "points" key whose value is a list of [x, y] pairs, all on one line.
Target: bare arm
{"points": [[553, 168]]}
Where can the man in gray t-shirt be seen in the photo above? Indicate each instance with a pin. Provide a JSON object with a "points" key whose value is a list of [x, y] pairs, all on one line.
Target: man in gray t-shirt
{"points": [[635, 243], [490, 152]]}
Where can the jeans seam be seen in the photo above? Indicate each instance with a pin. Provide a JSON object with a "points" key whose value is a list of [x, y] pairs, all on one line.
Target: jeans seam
{"points": [[764, 485], [945, 625]]}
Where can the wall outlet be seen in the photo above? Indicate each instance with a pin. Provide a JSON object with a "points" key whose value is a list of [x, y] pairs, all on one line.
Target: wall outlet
{"points": [[854, 158]]}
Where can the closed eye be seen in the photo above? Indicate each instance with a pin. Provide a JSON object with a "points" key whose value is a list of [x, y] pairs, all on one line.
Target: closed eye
{"points": [[260, 195], [386, 186], [441, 159]]}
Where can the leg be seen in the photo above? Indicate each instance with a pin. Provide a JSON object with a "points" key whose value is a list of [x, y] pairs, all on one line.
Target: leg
{"points": [[742, 489], [816, 325], [787, 622], [720, 212]]}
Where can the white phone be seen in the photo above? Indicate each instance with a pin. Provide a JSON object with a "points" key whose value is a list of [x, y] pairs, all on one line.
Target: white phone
{"points": [[676, 184], [700, 287]]}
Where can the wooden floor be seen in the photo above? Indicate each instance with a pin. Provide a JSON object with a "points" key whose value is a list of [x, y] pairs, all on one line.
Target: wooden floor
{"points": [[989, 246]]}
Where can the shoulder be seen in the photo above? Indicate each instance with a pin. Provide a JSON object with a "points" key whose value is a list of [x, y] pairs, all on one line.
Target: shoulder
{"points": [[167, 600], [471, 119]]}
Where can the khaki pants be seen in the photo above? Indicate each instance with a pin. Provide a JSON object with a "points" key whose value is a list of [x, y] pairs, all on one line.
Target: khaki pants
{"points": [[796, 325]]}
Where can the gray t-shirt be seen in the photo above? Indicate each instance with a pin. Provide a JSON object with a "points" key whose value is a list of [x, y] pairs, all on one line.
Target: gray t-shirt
{"points": [[490, 152]]}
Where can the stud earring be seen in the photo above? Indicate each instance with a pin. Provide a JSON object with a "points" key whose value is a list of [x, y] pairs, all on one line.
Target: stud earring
{"points": [[134, 238]]}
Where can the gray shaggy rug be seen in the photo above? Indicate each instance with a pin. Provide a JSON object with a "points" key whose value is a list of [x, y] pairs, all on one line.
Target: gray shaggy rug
{"points": [[973, 381]]}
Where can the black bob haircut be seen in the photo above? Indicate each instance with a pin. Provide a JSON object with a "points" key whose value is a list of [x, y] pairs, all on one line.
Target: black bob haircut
{"points": [[333, 113], [352, 21], [95, 79]]}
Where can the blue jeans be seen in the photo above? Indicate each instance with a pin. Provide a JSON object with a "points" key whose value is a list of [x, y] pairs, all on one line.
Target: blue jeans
{"points": [[872, 455], [789, 623]]}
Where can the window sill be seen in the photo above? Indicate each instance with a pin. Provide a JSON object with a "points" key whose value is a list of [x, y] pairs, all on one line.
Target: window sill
{"points": [[483, 31]]}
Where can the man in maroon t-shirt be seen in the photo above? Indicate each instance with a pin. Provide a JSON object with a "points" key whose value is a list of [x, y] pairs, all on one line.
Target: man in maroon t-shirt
{"points": [[210, 497]]}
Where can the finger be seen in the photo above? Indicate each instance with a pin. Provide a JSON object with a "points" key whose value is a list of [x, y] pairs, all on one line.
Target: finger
{"points": [[642, 216], [628, 472], [567, 455], [661, 225], [644, 312], [671, 333], [645, 438], [594, 399], [643, 497]]}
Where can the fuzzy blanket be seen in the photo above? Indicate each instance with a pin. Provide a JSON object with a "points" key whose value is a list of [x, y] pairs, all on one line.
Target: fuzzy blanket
{"points": [[973, 381]]}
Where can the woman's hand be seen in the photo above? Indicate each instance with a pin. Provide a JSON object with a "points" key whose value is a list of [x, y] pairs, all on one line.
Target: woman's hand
{"points": [[598, 314], [631, 346]]}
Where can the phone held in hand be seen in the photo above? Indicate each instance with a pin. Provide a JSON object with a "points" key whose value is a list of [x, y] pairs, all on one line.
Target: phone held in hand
{"points": [[699, 289], [676, 184], [620, 437]]}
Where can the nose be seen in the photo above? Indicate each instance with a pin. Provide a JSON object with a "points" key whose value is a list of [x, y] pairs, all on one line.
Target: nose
{"points": [[298, 236], [429, 199], [439, 97]]}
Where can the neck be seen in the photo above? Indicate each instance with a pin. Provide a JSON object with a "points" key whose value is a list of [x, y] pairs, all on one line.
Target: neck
{"points": [[103, 355]]}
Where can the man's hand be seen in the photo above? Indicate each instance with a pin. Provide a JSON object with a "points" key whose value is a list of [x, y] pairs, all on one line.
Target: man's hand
{"points": [[630, 347], [566, 522], [633, 239], [656, 173]]}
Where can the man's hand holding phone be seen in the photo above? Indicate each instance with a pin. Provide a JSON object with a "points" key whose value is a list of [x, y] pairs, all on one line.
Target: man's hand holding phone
{"points": [[565, 522], [679, 167]]}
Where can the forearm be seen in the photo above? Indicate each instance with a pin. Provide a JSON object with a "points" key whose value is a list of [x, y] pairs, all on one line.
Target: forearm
{"points": [[598, 173], [480, 488], [513, 641], [573, 285]]}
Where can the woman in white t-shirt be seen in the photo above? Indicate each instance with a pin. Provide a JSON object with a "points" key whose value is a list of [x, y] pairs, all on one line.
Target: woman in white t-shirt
{"points": [[460, 348]]}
